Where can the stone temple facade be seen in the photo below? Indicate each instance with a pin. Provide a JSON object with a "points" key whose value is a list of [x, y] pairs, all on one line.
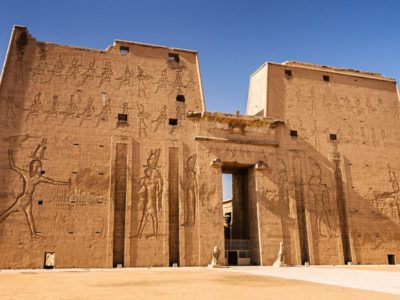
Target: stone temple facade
{"points": [[109, 158]]}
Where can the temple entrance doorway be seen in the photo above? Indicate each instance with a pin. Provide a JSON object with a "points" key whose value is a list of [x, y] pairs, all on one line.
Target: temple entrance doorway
{"points": [[235, 198]]}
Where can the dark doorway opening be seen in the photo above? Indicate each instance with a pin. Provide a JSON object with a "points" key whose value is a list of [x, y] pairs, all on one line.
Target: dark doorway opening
{"points": [[232, 258], [391, 259], [235, 198]]}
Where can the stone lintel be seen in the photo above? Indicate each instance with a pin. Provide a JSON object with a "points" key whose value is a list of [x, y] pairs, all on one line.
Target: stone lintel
{"points": [[235, 141]]}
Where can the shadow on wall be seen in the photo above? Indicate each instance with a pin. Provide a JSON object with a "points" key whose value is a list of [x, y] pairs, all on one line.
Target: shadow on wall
{"points": [[322, 213]]}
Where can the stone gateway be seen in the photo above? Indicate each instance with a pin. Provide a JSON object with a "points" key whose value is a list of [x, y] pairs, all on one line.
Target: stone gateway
{"points": [[110, 158]]}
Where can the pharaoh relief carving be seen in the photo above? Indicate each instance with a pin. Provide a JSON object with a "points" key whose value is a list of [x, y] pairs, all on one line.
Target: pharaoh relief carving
{"points": [[189, 186], [151, 194], [56, 71], [70, 111], [39, 71], [31, 178], [320, 197], [161, 119], [35, 108], [88, 112], [162, 82], [10, 116], [72, 72], [125, 79], [142, 79], [53, 110], [89, 73], [142, 120], [105, 110], [106, 74], [388, 202]]}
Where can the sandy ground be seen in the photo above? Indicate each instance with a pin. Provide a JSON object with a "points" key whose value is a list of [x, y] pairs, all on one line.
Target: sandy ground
{"points": [[166, 283]]}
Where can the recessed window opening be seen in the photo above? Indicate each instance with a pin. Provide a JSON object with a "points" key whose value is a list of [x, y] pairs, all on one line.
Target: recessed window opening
{"points": [[293, 133], [173, 122], [123, 118], [123, 50], [180, 98], [391, 259], [332, 137], [288, 74], [173, 57], [326, 78], [43, 172], [40, 202]]}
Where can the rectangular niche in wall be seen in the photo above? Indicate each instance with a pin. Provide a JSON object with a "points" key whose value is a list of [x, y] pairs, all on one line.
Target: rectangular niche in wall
{"points": [[49, 260]]}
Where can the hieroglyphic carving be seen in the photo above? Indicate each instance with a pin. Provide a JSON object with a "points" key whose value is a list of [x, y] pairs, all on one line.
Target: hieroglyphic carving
{"points": [[315, 133], [180, 111], [151, 193], [142, 78], [162, 117], [87, 113], [73, 70], [57, 69], [106, 74], [320, 196], [10, 112], [189, 187], [40, 69], [35, 107], [89, 73], [105, 110], [370, 107], [125, 79], [178, 83], [70, 111], [388, 202], [31, 179], [162, 82], [54, 108], [142, 120]]}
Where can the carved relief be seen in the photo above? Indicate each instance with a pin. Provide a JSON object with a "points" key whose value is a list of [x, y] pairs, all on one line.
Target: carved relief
{"points": [[57, 69], [151, 193], [125, 79], [142, 120], [40, 69], [142, 78], [320, 196], [106, 74], [105, 110], [10, 116], [89, 73], [87, 113], [388, 202], [54, 108], [161, 119], [31, 179], [70, 111], [35, 107], [73, 70], [189, 187], [162, 82]]}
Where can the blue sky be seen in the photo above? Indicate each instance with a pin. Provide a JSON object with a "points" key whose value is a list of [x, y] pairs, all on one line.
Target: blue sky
{"points": [[233, 37]]}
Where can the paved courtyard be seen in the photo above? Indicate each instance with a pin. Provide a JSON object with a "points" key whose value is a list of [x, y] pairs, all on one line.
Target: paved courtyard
{"points": [[201, 283]]}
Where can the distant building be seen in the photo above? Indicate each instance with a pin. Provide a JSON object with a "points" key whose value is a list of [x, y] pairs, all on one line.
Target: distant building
{"points": [[109, 157]]}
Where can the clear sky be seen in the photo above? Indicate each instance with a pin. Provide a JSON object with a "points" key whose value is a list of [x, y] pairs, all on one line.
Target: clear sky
{"points": [[233, 37]]}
